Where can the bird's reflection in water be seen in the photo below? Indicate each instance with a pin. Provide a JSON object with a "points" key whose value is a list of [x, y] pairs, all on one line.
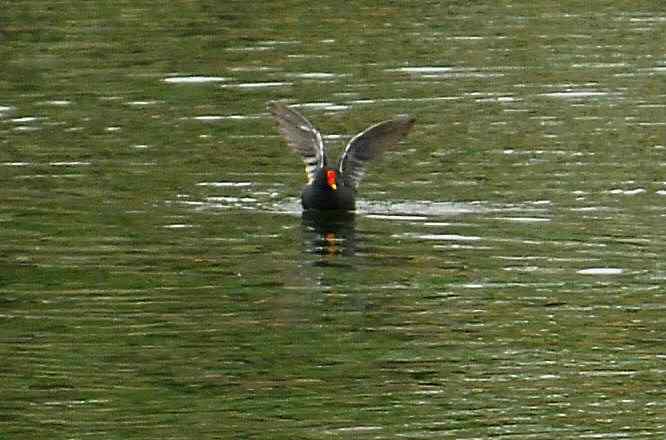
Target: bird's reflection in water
{"points": [[329, 234]]}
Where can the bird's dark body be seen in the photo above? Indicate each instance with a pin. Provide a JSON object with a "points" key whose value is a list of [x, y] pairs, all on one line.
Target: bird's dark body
{"points": [[322, 197]]}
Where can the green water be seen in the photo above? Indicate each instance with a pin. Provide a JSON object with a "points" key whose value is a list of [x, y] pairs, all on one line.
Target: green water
{"points": [[503, 277]]}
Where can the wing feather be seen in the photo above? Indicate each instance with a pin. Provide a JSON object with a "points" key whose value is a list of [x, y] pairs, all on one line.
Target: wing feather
{"points": [[369, 145], [301, 135]]}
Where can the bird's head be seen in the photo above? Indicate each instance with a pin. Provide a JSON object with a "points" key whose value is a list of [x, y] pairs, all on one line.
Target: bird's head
{"points": [[332, 179]]}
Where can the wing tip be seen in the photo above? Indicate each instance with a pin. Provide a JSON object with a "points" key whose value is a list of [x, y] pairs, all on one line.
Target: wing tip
{"points": [[276, 107], [402, 123], [407, 120]]}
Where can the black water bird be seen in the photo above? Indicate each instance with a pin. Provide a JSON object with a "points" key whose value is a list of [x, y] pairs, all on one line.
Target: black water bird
{"points": [[334, 188]]}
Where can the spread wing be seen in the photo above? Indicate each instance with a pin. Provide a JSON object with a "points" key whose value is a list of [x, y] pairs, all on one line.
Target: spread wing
{"points": [[369, 145], [301, 136]]}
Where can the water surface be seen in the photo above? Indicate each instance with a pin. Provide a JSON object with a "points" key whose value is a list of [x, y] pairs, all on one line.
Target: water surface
{"points": [[501, 277]]}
